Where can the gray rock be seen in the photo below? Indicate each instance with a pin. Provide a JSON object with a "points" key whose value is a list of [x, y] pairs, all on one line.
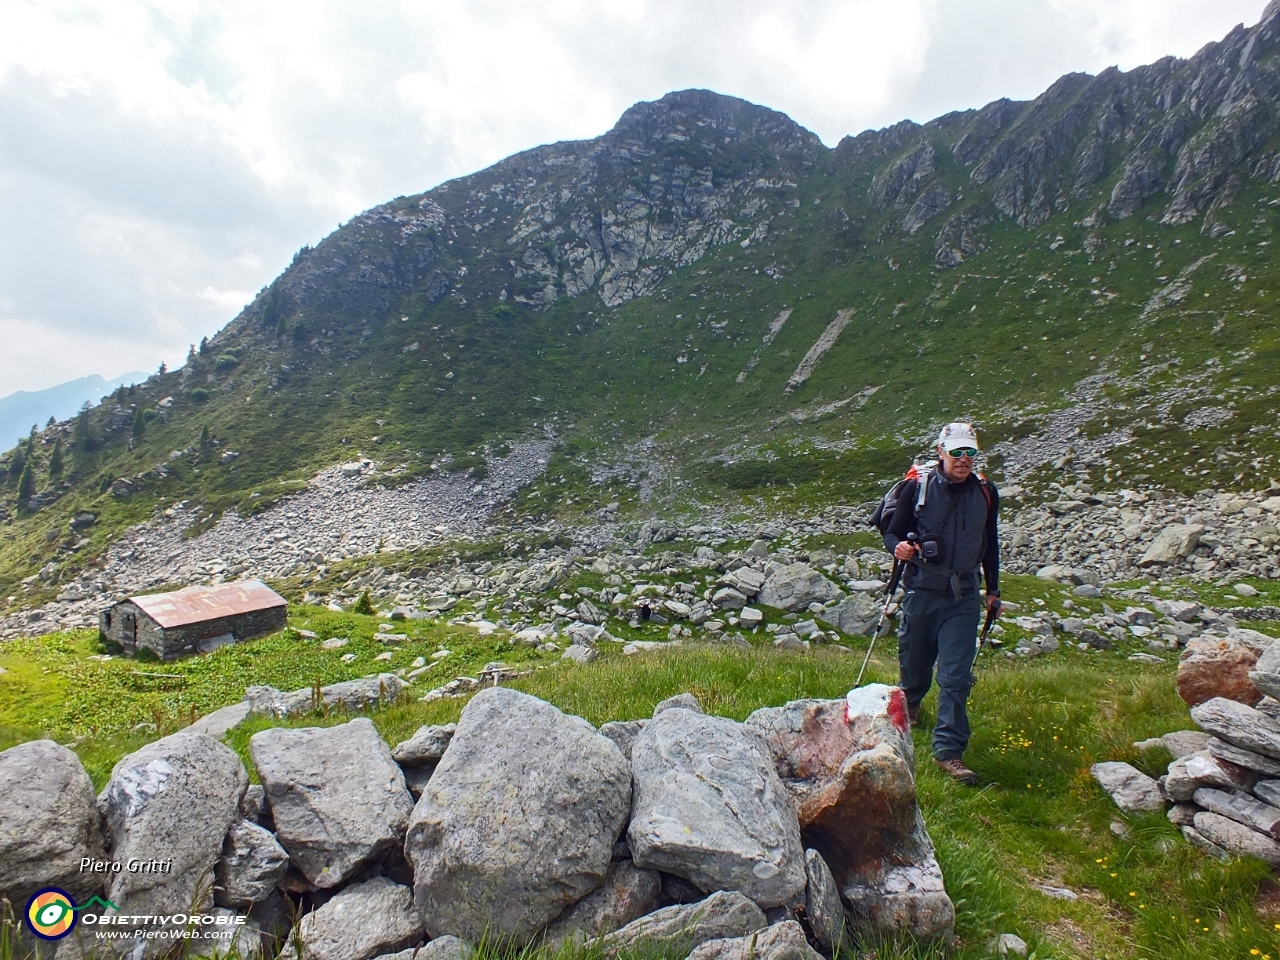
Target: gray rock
{"points": [[349, 694], [1265, 674], [903, 899], [519, 819], [727, 598], [1188, 774], [1242, 808], [174, 799], [623, 733], [674, 931], [681, 701], [1008, 945], [48, 823], [1198, 839], [1183, 743], [709, 807], [1240, 725], [1129, 787], [441, 948], [1237, 838], [1243, 758], [795, 586], [580, 654], [1268, 790], [1174, 541], [745, 580], [218, 722], [823, 906], [338, 800], [254, 804], [627, 894], [251, 865], [857, 614], [427, 745], [361, 921], [781, 941], [1182, 814]]}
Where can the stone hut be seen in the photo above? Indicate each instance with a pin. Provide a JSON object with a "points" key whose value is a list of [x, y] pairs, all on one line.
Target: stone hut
{"points": [[193, 620]]}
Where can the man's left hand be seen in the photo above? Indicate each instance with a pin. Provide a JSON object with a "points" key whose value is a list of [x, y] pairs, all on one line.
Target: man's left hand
{"points": [[993, 604]]}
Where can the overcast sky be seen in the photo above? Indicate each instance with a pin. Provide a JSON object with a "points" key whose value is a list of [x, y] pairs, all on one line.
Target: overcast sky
{"points": [[160, 162]]}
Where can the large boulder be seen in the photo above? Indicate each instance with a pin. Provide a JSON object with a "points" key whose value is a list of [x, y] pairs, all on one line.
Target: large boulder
{"points": [[627, 894], [781, 941], [795, 586], [361, 921], [251, 866], [1217, 667], [849, 766], [173, 801], [518, 820], [709, 807], [1174, 541], [48, 823], [1240, 725], [338, 800], [674, 931]]}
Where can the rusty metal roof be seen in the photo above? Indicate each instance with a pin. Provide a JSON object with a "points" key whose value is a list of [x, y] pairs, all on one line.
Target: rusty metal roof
{"points": [[197, 604]]}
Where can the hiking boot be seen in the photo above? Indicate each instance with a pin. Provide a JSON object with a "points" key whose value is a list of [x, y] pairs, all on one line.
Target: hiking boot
{"points": [[913, 714], [958, 771]]}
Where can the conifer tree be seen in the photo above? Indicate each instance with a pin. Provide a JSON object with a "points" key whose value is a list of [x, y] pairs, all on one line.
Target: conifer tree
{"points": [[18, 462], [55, 461], [27, 483], [139, 422]]}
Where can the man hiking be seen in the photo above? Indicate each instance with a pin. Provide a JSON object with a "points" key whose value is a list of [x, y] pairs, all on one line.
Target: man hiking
{"points": [[951, 512]]}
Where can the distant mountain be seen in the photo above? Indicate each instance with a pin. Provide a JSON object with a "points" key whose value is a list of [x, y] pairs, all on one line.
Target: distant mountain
{"points": [[18, 411]]}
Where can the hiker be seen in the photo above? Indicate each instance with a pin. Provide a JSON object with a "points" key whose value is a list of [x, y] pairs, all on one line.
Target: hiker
{"points": [[953, 519]]}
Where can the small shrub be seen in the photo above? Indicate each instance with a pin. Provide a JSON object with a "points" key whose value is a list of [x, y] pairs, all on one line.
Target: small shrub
{"points": [[503, 311], [364, 605], [226, 362], [199, 395]]}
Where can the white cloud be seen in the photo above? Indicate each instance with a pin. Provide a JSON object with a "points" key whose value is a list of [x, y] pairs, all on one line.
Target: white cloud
{"points": [[160, 159]]}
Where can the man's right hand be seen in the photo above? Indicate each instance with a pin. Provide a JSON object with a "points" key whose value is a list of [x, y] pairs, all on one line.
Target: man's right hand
{"points": [[905, 550]]}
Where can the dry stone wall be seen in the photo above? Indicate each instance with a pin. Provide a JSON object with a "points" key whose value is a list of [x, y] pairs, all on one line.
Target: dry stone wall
{"points": [[532, 826]]}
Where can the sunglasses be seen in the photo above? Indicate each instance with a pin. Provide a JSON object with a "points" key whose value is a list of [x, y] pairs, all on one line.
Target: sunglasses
{"points": [[969, 452]]}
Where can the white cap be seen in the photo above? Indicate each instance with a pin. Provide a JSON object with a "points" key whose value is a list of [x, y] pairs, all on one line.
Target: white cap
{"points": [[957, 435]]}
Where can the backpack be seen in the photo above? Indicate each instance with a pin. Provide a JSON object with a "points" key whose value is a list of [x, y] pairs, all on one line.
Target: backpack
{"points": [[888, 506]]}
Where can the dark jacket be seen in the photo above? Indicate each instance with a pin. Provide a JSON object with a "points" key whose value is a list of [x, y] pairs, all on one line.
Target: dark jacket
{"points": [[957, 517]]}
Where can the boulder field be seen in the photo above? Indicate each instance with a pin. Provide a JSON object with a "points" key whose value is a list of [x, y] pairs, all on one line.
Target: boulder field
{"points": [[781, 836]]}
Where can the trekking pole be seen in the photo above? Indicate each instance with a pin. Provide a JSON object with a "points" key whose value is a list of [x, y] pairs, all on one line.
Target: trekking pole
{"points": [[993, 611], [898, 567]]}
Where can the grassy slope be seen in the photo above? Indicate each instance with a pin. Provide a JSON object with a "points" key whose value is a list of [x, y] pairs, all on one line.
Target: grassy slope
{"points": [[1038, 725], [1009, 332]]}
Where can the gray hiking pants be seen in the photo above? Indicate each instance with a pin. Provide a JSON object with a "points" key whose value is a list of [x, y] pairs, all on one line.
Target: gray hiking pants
{"points": [[936, 629]]}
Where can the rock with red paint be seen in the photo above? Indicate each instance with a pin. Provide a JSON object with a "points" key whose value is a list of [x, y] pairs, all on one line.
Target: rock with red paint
{"points": [[850, 768], [1218, 667]]}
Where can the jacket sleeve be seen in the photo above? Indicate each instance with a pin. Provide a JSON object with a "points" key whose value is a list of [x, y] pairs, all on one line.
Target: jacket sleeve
{"points": [[991, 559], [904, 517]]}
